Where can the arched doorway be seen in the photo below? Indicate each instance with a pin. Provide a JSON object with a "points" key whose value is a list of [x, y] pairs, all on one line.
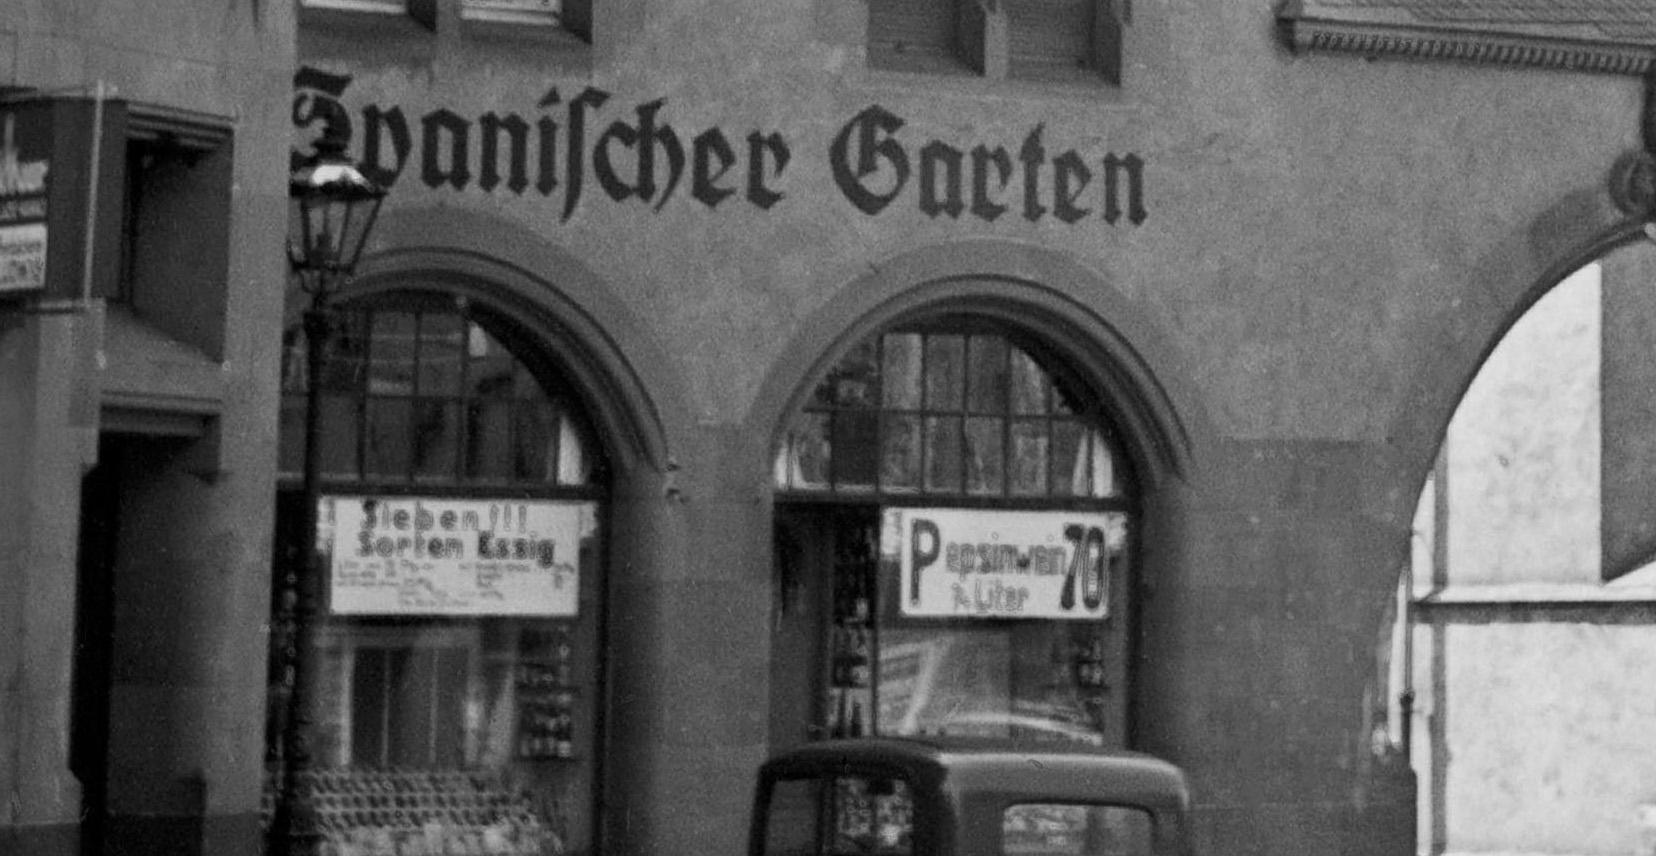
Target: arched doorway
{"points": [[1528, 614], [955, 527], [463, 495]]}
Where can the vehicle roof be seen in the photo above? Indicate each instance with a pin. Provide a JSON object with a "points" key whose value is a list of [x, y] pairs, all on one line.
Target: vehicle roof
{"points": [[1010, 770]]}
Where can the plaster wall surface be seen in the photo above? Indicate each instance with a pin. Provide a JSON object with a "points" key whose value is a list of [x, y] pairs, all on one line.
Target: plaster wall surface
{"points": [[1545, 729], [193, 580], [1523, 450]]}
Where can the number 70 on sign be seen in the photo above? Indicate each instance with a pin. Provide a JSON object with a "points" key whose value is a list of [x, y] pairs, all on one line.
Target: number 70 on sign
{"points": [[1004, 564]]}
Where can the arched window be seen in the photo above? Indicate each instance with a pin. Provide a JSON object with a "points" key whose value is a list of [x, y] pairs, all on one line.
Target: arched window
{"points": [[418, 391], [462, 493], [955, 521], [948, 413]]}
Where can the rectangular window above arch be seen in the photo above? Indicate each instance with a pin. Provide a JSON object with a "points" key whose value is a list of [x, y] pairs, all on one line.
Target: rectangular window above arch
{"points": [[1078, 41], [537, 20]]}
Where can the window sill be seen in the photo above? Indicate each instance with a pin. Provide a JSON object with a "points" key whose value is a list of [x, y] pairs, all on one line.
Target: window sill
{"points": [[1079, 86], [545, 40], [330, 31]]}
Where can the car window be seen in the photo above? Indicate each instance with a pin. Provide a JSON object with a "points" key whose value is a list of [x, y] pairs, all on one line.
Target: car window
{"points": [[1062, 829], [838, 815]]}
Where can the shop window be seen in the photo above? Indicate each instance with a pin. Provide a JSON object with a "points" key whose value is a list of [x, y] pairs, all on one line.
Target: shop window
{"points": [[1021, 39], [458, 521], [955, 527]]}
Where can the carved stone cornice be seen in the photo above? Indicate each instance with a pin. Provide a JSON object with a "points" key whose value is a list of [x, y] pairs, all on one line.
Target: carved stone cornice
{"points": [[1395, 31]]}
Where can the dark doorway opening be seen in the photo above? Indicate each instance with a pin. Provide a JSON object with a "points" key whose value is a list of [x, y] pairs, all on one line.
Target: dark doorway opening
{"points": [[94, 642]]}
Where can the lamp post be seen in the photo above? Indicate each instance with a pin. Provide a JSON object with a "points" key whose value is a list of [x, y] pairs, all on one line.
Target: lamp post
{"points": [[331, 210]]}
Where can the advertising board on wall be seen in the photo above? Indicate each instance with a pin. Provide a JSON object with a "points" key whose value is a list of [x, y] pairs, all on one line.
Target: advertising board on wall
{"points": [[990, 563], [25, 137], [393, 555]]}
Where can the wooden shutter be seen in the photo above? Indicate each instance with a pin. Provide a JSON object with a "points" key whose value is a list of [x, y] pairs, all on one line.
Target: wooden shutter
{"points": [[901, 32], [1064, 39]]}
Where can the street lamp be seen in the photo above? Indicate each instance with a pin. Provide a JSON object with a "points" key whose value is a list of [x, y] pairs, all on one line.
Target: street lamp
{"points": [[331, 210]]}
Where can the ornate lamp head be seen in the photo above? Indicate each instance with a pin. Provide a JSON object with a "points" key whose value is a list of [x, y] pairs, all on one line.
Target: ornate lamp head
{"points": [[331, 210]]}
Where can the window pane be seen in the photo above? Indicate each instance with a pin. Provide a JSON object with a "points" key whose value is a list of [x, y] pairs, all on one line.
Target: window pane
{"points": [[390, 430], [791, 824], [985, 456], [803, 460], [491, 370], [392, 371], [1075, 830], [1103, 466], [986, 383], [943, 464], [1071, 472], [290, 455], [442, 349], [857, 377], [464, 724], [338, 416], [1029, 457], [489, 440], [532, 437], [373, 673], [1029, 384], [436, 438], [900, 371], [574, 466], [856, 439], [901, 469], [343, 365], [293, 361], [1022, 680], [945, 371]]}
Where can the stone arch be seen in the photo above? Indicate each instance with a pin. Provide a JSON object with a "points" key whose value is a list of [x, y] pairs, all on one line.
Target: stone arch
{"points": [[629, 388], [1088, 323], [1502, 284]]}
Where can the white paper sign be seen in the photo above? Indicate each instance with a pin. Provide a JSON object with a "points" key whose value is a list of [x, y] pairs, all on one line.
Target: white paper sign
{"points": [[22, 257], [1004, 564], [425, 556]]}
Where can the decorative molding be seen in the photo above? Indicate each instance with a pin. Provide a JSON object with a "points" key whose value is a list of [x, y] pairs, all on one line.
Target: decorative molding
{"points": [[1474, 46]]}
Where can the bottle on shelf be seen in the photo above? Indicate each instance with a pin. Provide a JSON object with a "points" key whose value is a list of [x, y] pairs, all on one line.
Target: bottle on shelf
{"points": [[857, 661], [563, 653]]}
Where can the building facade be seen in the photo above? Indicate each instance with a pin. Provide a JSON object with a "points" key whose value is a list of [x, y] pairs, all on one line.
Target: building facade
{"points": [[727, 375]]}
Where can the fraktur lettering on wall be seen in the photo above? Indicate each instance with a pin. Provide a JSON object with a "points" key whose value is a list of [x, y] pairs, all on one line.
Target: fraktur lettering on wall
{"points": [[639, 158]]}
